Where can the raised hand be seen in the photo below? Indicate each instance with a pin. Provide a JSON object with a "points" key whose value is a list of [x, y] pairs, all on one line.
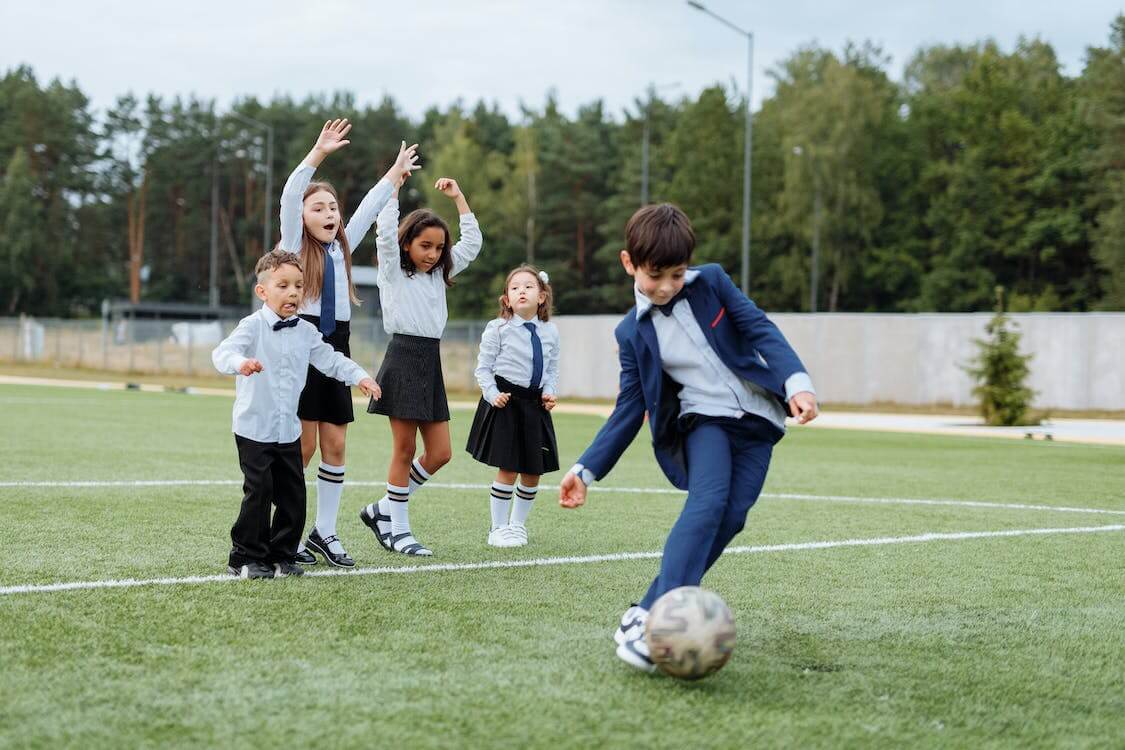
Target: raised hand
{"points": [[572, 491], [371, 388], [250, 366], [803, 406], [333, 136], [448, 187], [405, 163]]}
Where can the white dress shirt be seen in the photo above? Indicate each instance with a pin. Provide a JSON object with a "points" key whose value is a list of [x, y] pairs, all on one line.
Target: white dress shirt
{"points": [[415, 305], [265, 403], [505, 350], [292, 228]]}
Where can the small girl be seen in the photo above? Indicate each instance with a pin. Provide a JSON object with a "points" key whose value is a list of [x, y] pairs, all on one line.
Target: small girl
{"points": [[518, 373], [416, 265], [312, 227]]}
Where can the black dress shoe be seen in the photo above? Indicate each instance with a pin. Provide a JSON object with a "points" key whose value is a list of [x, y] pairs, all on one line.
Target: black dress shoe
{"points": [[251, 570], [286, 569], [320, 544], [305, 557]]}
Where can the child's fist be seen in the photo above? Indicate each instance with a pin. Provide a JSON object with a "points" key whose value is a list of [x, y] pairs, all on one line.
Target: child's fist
{"points": [[448, 187], [501, 401], [572, 491], [371, 388], [549, 401], [250, 366], [803, 407]]}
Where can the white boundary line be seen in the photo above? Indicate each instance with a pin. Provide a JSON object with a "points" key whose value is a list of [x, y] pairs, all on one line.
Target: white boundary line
{"points": [[545, 561], [78, 484]]}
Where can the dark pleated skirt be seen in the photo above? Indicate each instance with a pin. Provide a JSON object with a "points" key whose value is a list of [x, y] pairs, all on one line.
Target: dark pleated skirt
{"points": [[326, 399], [411, 380], [520, 437]]}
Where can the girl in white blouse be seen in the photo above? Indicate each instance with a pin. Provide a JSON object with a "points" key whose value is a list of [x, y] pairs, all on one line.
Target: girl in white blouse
{"points": [[312, 226], [417, 262], [518, 374]]}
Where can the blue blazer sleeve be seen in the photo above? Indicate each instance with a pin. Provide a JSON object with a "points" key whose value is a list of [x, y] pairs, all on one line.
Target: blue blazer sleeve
{"points": [[623, 424], [758, 329]]}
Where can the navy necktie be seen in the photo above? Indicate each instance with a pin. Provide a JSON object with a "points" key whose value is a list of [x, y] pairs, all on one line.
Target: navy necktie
{"points": [[536, 356], [328, 296], [286, 323], [666, 308]]}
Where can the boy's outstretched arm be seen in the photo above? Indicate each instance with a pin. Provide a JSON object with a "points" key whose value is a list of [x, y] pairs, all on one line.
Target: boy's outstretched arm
{"points": [[615, 435]]}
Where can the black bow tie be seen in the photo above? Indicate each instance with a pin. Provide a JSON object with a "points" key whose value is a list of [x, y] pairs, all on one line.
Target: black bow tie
{"points": [[666, 308], [286, 323]]}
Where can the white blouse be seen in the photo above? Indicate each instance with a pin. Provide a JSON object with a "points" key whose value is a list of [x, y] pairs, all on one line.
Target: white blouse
{"points": [[292, 227], [415, 305], [505, 350]]}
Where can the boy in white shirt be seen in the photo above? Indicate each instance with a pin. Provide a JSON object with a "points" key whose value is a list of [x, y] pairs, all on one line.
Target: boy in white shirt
{"points": [[280, 346]]}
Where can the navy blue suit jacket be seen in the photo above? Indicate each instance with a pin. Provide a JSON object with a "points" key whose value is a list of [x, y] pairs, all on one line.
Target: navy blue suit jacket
{"points": [[744, 338]]}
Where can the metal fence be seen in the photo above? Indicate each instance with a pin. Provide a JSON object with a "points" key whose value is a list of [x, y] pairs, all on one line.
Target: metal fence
{"points": [[184, 348]]}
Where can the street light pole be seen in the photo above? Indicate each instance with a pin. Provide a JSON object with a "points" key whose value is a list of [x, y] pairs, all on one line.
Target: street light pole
{"points": [[814, 270], [267, 156], [749, 141]]}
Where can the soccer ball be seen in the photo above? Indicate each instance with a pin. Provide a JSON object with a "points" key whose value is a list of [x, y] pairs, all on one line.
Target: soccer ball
{"points": [[690, 633]]}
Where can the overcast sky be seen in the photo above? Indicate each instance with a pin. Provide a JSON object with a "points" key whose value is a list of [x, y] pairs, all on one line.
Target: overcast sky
{"points": [[426, 52]]}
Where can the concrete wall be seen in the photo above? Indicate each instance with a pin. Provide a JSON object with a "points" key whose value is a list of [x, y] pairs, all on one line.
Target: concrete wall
{"points": [[1078, 358]]}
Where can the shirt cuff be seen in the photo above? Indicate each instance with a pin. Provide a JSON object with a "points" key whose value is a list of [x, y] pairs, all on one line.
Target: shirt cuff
{"points": [[302, 167], [582, 473], [490, 393], [798, 382]]}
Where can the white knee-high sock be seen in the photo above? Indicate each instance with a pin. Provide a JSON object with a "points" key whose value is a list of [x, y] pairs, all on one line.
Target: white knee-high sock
{"points": [[500, 502], [396, 506], [525, 497], [418, 476], [329, 487]]}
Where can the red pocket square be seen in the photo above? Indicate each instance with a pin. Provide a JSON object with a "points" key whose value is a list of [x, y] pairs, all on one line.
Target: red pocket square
{"points": [[722, 312]]}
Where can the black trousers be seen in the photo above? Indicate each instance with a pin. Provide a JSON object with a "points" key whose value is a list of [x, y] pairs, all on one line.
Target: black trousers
{"points": [[273, 474]]}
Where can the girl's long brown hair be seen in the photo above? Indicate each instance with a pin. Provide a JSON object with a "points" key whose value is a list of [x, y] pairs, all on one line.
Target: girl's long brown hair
{"points": [[312, 251], [544, 310]]}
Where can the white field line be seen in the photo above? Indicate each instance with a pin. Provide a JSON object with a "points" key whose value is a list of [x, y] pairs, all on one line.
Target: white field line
{"points": [[546, 561], [78, 484]]}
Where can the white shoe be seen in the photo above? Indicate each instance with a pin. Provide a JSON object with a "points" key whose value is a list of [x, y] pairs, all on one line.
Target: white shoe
{"points": [[634, 652], [517, 535], [632, 625], [498, 537]]}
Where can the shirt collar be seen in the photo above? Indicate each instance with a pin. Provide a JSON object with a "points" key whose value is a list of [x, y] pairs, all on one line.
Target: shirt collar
{"points": [[644, 304], [270, 316], [517, 320]]}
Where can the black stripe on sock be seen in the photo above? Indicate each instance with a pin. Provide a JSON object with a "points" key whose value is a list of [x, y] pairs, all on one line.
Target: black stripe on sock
{"points": [[525, 496], [323, 470], [331, 479]]}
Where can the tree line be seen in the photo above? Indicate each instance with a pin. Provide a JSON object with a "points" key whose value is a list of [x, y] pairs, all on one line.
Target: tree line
{"points": [[981, 167]]}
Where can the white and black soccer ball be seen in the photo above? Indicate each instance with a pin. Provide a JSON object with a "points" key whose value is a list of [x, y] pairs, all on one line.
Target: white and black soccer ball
{"points": [[690, 633]]}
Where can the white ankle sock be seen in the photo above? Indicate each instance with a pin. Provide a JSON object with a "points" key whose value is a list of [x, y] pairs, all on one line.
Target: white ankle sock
{"points": [[329, 487], [500, 502], [418, 476], [525, 497]]}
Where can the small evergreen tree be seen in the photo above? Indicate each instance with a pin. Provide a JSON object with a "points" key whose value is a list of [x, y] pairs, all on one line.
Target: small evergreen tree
{"points": [[1001, 372]]}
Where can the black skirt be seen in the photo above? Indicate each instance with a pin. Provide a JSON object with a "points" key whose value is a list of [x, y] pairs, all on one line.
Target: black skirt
{"points": [[326, 399], [411, 381], [519, 437]]}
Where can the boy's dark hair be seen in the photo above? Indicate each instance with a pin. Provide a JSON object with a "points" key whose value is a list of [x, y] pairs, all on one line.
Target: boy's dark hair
{"points": [[412, 226], [274, 260], [659, 236]]}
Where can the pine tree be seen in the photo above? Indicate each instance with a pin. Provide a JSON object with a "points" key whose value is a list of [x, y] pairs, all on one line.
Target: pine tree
{"points": [[1001, 372]]}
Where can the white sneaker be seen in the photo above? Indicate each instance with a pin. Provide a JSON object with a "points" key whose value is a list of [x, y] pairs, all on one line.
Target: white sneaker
{"points": [[498, 537], [634, 652], [632, 625], [517, 535]]}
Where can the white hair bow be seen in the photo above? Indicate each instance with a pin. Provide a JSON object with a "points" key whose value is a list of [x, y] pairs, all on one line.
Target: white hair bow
{"points": [[544, 277]]}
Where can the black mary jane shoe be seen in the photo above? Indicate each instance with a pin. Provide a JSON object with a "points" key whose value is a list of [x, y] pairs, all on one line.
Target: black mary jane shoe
{"points": [[321, 545]]}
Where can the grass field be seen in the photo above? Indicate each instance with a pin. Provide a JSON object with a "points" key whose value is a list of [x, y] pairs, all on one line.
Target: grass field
{"points": [[939, 640]]}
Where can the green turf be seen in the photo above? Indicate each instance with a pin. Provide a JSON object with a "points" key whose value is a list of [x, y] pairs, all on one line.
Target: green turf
{"points": [[985, 642]]}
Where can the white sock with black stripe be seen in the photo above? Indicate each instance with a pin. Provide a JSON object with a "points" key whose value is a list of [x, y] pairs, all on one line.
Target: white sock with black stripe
{"points": [[329, 488], [418, 476], [396, 506], [500, 501], [525, 497]]}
